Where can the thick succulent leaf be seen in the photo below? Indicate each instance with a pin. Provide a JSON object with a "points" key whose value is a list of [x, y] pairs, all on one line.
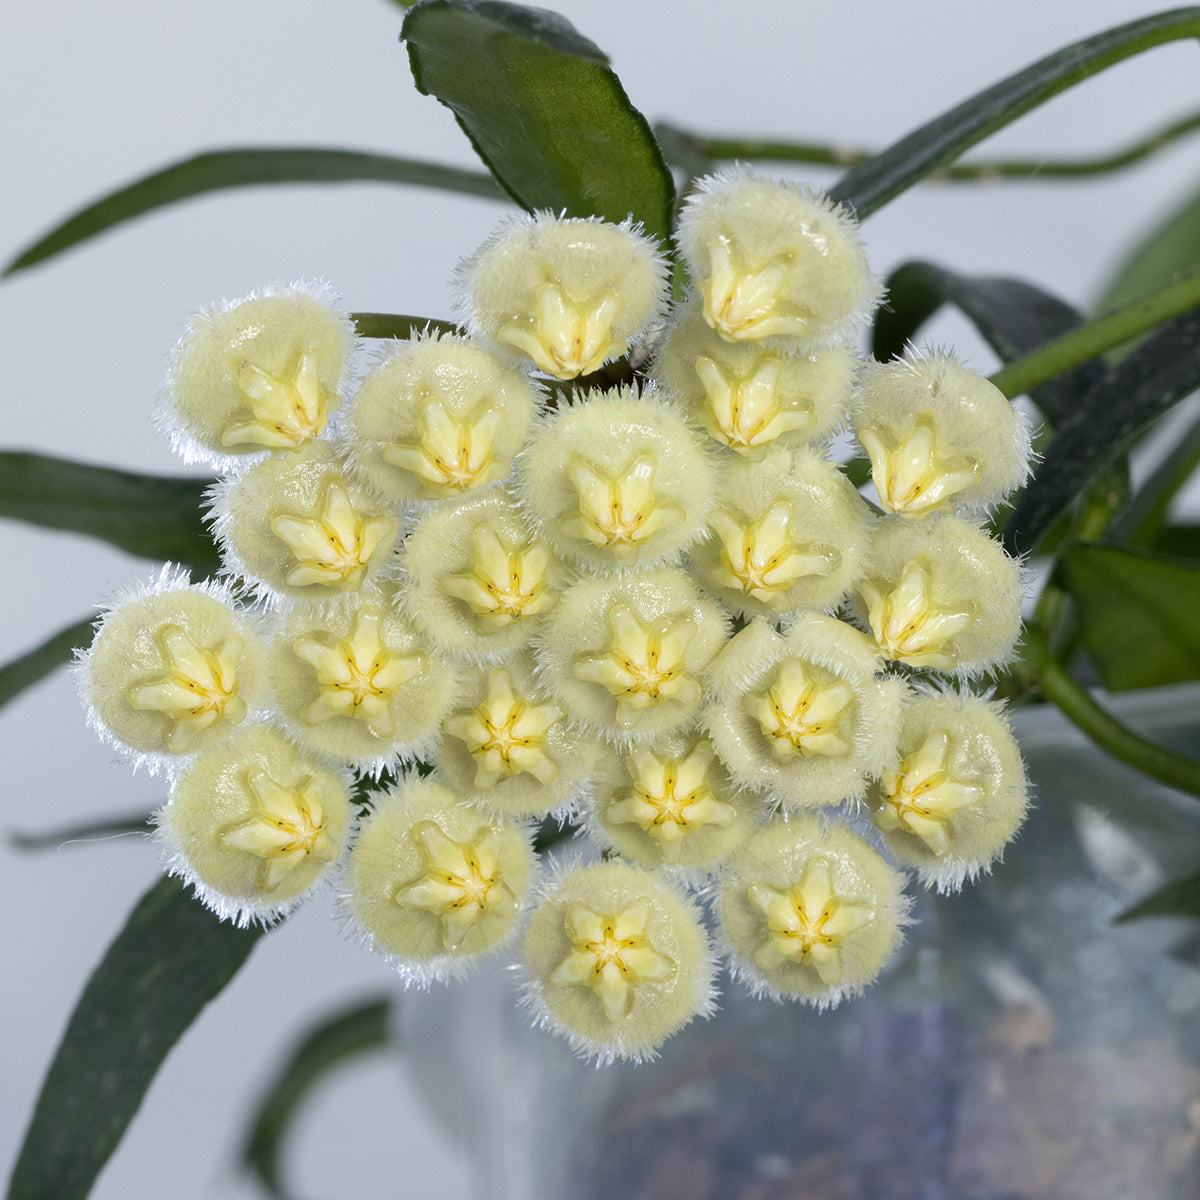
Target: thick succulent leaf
{"points": [[1012, 316], [152, 516], [247, 167], [170, 960], [872, 184], [86, 831], [1146, 383], [398, 325], [34, 665], [542, 108], [1181, 898], [1138, 612], [326, 1046]]}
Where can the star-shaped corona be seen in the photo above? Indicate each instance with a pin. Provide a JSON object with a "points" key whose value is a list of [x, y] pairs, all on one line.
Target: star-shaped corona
{"points": [[745, 413], [197, 688], [763, 559], [743, 303], [909, 626], [612, 954], [645, 663], [358, 677], [288, 407], [801, 713], [568, 337], [287, 829], [504, 585], [807, 924], [334, 545], [452, 454], [463, 883], [924, 795], [912, 476], [506, 734], [671, 797]]}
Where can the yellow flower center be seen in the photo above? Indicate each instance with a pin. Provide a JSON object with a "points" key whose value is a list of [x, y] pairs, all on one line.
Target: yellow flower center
{"points": [[743, 303], [287, 408], [452, 455], [908, 626], [744, 412], [802, 712], [568, 337], [913, 476], [503, 585]]}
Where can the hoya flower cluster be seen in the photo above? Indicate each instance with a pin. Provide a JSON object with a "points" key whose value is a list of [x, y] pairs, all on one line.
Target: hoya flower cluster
{"points": [[658, 610]]}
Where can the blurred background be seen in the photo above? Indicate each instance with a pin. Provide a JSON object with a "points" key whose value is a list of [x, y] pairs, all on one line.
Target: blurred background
{"points": [[96, 95]]}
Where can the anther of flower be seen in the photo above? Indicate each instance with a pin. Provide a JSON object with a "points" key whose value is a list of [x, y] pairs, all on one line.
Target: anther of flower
{"points": [[359, 676], [671, 798], [568, 337], [462, 884], [743, 303], [506, 734], [807, 924], [289, 408], [923, 796], [745, 413], [908, 626], [197, 688], [287, 828], [612, 954], [801, 712], [762, 560], [913, 477], [644, 664], [452, 454], [334, 545], [503, 585], [619, 511]]}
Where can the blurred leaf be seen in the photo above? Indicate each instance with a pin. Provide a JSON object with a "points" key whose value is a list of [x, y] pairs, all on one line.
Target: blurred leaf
{"points": [[542, 108], [1167, 250], [1012, 316], [1180, 541], [1146, 383], [152, 516], [87, 831], [172, 957], [397, 325], [939, 142], [1138, 613], [1142, 522], [324, 1047], [246, 167], [36, 664], [1178, 899]]}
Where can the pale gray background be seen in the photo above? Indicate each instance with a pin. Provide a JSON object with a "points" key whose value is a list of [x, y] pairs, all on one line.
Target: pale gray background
{"points": [[97, 94]]}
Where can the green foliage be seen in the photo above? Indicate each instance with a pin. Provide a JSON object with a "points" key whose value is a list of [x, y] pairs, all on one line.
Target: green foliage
{"points": [[34, 665], [1181, 898], [85, 831]]}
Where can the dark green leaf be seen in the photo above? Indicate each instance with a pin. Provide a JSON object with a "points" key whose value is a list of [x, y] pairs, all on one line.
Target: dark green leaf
{"points": [[1178, 899], [247, 167], [1179, 541], [1012, 316], [1142, 522], [1138, 612], [1146, 383], [396, 325], [172, 957], [542, 108], [322, 1048], [88, 831], [36, 664], [152, 516], [872, 184]]}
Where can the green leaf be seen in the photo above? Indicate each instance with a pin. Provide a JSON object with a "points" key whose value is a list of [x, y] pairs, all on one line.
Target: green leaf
{"points": [[246, 167], [170, 960], [542, 108], [1170, 248], [397, 325], [152, 516], [36, 664], [1138, 612], [1143, 521], [1178, 899], [1179, 541], [324, 1047], [1011, 315], [939, 142], [1146, 383], [87, 831]]}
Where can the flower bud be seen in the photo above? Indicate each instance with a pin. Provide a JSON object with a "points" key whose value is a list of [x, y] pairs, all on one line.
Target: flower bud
{"points": [[617, 961], [565, 292]]}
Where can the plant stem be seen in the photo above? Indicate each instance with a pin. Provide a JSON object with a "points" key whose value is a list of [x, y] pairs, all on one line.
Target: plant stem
{"points": [[1105, 730], [1053, 358]]}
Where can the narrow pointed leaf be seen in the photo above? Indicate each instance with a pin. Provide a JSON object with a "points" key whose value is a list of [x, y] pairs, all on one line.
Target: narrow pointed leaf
{"points": [[1144, 521], [34, 665], [542, 108], [1181, 898], [170, 960], [248, 166], [938, 143], [398, 325], [1146, 383], [88, 831], [1138, 613], [322, 1049], [152, 516]]}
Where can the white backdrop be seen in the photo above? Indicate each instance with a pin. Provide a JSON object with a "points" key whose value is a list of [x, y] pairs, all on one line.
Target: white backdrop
{"points": [[95, 95]]}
